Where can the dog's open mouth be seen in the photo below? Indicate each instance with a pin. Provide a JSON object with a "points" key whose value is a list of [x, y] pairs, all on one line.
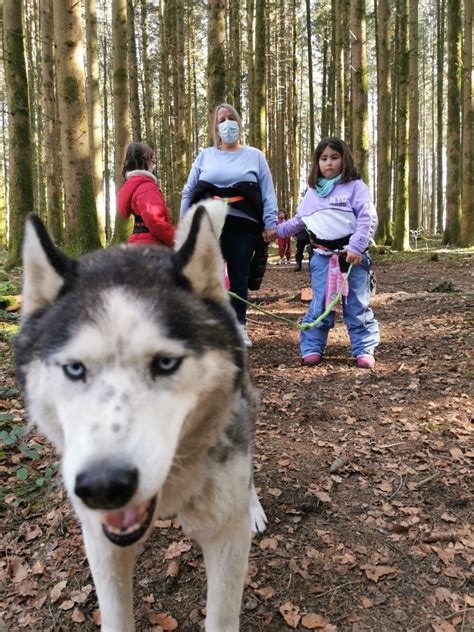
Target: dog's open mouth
{"points": [[129, 525]]}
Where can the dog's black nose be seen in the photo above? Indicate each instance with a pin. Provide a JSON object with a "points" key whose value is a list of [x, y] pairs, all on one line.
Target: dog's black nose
{"points": [[106, 486]]}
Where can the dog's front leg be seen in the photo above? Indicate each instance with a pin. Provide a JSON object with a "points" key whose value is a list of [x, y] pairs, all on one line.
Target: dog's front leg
{"points": [[112, 570], [226, 560]]}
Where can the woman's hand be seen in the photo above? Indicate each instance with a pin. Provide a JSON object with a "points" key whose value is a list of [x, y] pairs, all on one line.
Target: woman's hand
{"points": [[351, 257], [270, 234]]}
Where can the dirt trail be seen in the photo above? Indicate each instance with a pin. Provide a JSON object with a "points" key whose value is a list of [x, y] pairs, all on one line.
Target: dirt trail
{"points": [[364, 476]]}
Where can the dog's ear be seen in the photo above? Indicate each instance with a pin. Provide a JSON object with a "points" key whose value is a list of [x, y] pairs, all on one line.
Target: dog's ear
{"points": [[197, 243], [45, 267]]}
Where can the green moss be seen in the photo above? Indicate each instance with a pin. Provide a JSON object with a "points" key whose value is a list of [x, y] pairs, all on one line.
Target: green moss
{"points": [[71, 90], [86, 235]]}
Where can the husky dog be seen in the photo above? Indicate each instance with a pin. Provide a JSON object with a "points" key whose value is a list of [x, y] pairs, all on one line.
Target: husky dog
{"points": [[132, 364]]}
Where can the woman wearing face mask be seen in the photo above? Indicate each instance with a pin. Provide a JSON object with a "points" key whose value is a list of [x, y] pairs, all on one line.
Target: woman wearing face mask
{"points": [[240, 175]]}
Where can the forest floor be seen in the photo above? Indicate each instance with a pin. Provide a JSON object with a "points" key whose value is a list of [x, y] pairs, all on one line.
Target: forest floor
{"points": [[364, 476]]}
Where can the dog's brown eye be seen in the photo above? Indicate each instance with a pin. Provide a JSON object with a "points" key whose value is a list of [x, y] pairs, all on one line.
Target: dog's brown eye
{"points": [[164, 365], [74, 371]]}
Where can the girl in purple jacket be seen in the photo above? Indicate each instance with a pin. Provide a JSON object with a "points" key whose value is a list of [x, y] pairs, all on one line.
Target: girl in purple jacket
{"points": [[338, 213]]}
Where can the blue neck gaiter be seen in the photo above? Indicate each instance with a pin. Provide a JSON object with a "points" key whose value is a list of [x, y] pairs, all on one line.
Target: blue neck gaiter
{"points": [[326, 185]]}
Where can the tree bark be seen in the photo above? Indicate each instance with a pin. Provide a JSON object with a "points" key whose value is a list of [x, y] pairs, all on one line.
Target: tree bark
{"points": [[360, 88], [150, 132], [413, 117], [93, 111], [133, 74], [260, 64], [384, 145], [453, 139], [19, 146], [121, 105], [53, 167], [310, 76], [235, 54], [467, 222], [250, 8], [401, 218], [339, 68], [215, 59], [81, 225], [440, 22]]}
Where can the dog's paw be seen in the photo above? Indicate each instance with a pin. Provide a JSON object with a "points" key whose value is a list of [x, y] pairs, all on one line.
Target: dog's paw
{"points": [[258, 519]]}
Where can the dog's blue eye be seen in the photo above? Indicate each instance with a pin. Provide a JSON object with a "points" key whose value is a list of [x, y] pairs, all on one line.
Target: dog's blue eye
{"points": [[163, 365], [75, 371]]}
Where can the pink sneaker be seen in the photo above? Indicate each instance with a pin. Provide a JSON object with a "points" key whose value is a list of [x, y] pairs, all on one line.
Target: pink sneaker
{"points": [[365, 362], [312, 359]]}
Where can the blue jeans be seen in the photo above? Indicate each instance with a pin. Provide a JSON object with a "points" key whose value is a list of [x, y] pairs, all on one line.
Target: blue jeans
{"points": [[238, 243], [361, 325]]}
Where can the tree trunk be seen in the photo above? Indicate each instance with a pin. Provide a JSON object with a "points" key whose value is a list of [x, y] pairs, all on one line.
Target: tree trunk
{"points": [[413, 133], [81, 225], [324, 93], [19, 146], [294, 139], [215, 59], [441, 11], [30, 53], [310, 75], [347, 70], [121, 105], [339, 68], [133, 74], [402, 230], [384, 145], [150, 134], [453, 139], [93, 111], [360, 89], [250, 5], [467, 222], [235, 54], [260, 64], [53, 167], [107, 174]]}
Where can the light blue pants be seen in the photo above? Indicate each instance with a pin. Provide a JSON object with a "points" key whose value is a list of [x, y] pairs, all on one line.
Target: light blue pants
{"points": [[361, 325]]}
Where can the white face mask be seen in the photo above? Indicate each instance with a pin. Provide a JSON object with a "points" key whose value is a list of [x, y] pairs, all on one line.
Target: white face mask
{"points": [[229, 131]]}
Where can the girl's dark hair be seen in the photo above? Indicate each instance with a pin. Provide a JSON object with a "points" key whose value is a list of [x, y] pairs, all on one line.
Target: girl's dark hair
{"points": [[137, 156], [349, 170]]}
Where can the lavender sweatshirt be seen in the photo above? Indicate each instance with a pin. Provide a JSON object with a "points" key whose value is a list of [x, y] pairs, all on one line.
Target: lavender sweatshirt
{"points": [[225, 168], [347, 210]]}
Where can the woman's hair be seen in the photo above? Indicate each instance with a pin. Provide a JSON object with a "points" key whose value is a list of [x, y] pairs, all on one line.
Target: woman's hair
{"points": [[349, 170], [137, 156], [215, 131]]}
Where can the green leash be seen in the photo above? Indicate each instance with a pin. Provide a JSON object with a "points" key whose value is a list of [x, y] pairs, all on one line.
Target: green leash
{"points": [[292, 323]]}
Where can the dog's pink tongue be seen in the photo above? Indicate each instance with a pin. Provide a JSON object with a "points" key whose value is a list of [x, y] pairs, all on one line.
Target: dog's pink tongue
{"points": [[123, 520]]}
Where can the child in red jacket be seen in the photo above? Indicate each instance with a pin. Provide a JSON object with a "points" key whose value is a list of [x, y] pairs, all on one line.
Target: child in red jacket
{"points": [[284, 245], [141, 197]]}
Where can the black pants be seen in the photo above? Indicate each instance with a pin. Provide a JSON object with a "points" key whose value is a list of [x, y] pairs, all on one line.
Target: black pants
{"points": [[239, 240], [302, 240]]}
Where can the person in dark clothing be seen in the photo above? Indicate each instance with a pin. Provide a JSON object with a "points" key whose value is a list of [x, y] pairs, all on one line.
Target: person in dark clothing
{"points": [[302, 241]]}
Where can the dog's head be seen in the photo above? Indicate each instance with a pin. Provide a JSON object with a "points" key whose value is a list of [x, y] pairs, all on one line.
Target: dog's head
{"points": [[129, 358]]}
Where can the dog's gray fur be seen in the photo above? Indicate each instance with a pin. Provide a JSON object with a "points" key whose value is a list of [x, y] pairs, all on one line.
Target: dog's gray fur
{"points": [[133, 366]]}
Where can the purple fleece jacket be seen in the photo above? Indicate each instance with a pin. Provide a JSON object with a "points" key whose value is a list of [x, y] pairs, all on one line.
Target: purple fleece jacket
{"points": [[347, 210]]}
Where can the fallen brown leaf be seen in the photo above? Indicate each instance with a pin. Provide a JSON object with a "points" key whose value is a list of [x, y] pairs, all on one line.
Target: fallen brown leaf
{"points": [[175, 549], [291, 614], [77, 616], [374, 573], [165, 621], [314, 621], [55, 592]]}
